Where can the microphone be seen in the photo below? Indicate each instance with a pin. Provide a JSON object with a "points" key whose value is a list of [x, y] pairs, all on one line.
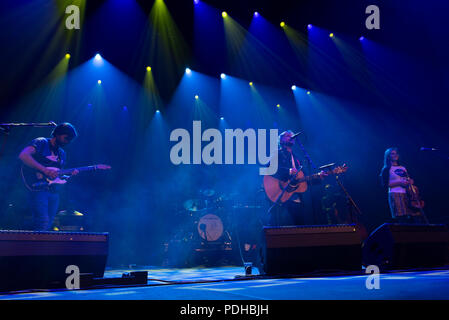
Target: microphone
{"points": [[296, 134], [428, 149]]}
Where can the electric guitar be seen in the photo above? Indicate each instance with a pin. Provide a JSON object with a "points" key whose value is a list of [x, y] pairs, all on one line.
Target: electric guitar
{"points": [[279, 191], [35, 180]]}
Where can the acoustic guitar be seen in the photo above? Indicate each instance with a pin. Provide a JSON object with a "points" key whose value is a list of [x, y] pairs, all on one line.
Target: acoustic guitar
{"points": [[279, 191]]}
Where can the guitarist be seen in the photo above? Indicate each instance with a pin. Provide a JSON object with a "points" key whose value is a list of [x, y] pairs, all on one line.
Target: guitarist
{"points": [[289, 213], [45, 155], [395, 179]]}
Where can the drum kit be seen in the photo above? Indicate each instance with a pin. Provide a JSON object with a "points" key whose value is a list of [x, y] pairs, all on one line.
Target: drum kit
{"points": [[214, 228], [207, 217], [211, 217]]}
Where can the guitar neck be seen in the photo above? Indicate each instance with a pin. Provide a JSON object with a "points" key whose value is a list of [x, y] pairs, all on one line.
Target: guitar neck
{"points": [[80, 169], [308, 178]]}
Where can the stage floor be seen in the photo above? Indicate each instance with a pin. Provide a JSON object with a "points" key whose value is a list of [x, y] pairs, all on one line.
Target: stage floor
{"points": [[228, 283]]}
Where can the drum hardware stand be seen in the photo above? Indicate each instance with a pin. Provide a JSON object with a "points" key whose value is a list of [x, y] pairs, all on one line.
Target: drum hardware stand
{"points": [[246, 265], [203, 228]]}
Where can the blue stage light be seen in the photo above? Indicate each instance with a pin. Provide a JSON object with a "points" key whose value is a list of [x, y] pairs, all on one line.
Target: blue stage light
{"points": [[256, 14], [221, 118], [196, 1], [293, 87], [309, 26], [98, 60], [188, 71], [223, 76], [361, 38]]}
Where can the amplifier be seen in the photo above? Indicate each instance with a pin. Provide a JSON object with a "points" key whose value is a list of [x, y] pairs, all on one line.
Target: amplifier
{"points": [[297, 249], [399, 246], [36, 259]]}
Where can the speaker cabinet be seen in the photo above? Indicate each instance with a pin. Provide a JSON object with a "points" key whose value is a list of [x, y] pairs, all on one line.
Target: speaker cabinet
{"points": [[402, 246], [299, 249], [33, 259]]}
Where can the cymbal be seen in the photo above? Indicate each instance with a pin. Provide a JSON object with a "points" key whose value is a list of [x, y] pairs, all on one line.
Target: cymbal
{"points": [[193, 205], [208, 192]]}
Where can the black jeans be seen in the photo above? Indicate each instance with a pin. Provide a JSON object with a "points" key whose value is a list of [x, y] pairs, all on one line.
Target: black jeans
{"points": [[44, 206]]}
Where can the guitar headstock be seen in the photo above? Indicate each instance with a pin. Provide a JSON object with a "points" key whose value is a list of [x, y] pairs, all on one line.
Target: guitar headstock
{"points": [[340, 169], [102, 167]]}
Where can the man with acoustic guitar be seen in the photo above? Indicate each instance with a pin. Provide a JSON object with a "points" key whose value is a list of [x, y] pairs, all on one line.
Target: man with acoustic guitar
{"points": [[46, 157], [286, 209]]}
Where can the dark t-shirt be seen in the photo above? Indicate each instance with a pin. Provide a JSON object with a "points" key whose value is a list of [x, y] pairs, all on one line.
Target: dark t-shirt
{"points": [[46, 154], [285, 163]]}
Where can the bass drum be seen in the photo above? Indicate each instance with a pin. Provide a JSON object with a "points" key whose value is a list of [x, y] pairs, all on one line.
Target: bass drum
{"points": [[210, 227]]}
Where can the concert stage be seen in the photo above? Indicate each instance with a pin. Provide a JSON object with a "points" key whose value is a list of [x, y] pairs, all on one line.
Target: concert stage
{"points": [[229, 283], [211, 150]]}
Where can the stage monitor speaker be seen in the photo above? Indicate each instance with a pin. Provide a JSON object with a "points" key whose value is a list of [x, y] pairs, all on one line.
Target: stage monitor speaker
{"points": [[35, 259], [300, 249], [402, 246]]}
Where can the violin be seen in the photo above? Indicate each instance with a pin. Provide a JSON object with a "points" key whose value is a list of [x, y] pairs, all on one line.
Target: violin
{"points": [[413, 193]]}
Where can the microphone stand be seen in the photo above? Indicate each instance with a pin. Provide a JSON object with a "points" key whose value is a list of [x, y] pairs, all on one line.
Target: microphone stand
{"points": [[5, 128], [306, 154], [351, 203], [310, 164], [436, 152]]}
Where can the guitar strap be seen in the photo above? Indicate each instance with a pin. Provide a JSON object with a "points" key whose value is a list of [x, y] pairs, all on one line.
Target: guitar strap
{"points": [[55, 151], [295, 197]]}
